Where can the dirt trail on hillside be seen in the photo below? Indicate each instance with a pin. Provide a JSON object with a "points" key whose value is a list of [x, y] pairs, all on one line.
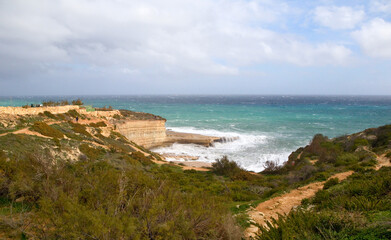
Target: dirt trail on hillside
{"points": [[283, 204], [24, 131], [382, 161]]}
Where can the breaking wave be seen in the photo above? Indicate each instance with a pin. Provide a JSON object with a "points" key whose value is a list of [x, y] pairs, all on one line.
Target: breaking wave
{"points": [[250, 151]]}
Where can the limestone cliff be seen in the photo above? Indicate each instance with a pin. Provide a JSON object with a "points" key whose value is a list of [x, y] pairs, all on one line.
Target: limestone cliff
{"points": [[147, 133], [144, 129]]}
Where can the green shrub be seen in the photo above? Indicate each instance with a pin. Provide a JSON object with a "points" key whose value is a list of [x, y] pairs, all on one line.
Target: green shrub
{"points": [[73, 113], [139, 156], [90, 152], [346, 159], [77, 102], [49, 115], [53, 103], [46, 130], [360, 142], [272, 167], [321, 176], [98, 124], [331, 182], [230, 169], [79, 128]]}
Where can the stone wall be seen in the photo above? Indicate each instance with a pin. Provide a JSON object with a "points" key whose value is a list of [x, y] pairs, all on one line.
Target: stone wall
{"points": [[147, 133]]}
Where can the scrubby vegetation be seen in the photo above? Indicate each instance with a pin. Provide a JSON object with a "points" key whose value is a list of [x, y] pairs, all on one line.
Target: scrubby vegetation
{"points": [[46, 130], [358, 208], [137, 115], [78, 102], [98, 124], [96, 184], [55, 103]]}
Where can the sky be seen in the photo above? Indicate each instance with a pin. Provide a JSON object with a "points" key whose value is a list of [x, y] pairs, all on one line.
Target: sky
{"points": [[76, 47]]}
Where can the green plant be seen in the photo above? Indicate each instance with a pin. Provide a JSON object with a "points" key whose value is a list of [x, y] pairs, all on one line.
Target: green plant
{"points": [[73, 113], [230, 169], [46, 130], [79, 128], [90, 152], [77, 102], [331, 182], [98, 124], [49, 115], [346, 159]]}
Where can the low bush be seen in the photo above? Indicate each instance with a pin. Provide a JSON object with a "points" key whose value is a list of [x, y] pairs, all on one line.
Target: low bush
{"points": [[346, 159], [49, 115], [360, 142], [331, 182], [139, 156], [46, 130], [230, 169], [90, 152], [73, 113], [79, 128], [98, 124], [53, 103], [272, 167], [77, 102]]}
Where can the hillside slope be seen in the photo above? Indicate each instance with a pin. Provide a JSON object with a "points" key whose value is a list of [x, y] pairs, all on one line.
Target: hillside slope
{"points": [[62, 179]]}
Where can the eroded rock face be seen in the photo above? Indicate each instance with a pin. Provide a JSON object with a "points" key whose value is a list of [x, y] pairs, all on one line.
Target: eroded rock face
{"points": [[147, 133]]}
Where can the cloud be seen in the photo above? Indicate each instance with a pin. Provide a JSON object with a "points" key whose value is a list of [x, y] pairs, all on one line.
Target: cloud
{"points": [[165, 37], [375, 38], [381, 6], [338, 17]]}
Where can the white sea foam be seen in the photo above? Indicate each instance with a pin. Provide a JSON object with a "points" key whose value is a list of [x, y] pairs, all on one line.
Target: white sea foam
{"points": [[251, 151]]}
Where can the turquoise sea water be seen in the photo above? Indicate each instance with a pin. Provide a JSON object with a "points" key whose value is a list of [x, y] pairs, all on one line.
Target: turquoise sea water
{"points": [[267, 127]]}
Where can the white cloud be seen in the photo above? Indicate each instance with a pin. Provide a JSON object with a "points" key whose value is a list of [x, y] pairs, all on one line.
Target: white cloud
{"points": [[375, 38], [381, 6], [203, 37], [338, 17]]}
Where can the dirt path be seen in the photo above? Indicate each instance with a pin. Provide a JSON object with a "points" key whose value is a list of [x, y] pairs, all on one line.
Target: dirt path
{"points": [[283, 204], [24, 131], [382, 161]]}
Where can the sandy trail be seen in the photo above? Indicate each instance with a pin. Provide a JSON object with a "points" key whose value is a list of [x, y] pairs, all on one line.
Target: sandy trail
{"points": [[25, 131], [382, 161], [283, 204]]}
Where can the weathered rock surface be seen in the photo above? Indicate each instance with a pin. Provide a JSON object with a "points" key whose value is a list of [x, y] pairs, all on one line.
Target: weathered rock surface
{"points": [[147, 133]]}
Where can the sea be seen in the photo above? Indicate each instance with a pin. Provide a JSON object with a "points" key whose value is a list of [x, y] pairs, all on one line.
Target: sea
{"points": [[264, 127]]}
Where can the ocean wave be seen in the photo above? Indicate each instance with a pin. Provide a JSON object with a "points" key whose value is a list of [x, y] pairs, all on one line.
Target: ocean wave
{"points": [[250, 151]]}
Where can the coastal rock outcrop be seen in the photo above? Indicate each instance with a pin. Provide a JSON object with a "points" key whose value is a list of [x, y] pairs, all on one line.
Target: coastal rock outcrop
{"points": [[147, 133], [145, 129]]}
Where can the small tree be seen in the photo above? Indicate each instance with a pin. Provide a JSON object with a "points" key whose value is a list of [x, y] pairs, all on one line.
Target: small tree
{"points": [[77, 102]]}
